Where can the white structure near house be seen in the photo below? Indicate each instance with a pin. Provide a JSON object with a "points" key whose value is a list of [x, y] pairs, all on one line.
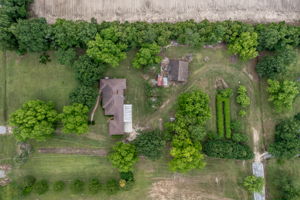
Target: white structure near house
{"points": [[127, 118]]}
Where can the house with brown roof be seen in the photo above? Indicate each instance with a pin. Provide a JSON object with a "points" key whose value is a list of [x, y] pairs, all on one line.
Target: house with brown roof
{"points": [[178, 70], [112, 95]]}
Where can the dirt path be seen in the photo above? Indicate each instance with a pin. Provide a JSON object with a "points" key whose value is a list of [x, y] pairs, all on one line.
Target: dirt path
{"points": [[76, 151]]}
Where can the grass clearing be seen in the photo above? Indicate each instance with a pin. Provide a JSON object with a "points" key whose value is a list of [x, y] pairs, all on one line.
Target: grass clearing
{"points": [[7, 149]]}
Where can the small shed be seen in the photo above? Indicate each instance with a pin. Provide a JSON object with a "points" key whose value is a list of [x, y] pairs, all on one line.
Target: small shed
{"points": [[178, 70], [127, 118], [165, 81]]}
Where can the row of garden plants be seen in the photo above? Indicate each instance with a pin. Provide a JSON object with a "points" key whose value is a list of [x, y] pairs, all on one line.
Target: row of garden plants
{"points": [[30, 185]]}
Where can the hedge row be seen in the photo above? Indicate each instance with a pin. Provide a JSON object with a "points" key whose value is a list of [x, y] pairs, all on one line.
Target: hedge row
{"points": [[227, 117], [220, 115], [223, 116]]}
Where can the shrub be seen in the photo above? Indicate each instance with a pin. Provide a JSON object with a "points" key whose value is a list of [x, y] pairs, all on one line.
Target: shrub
{"points": [[227, 149], [237, 137], [236, 126], [127, 176], [253, 183], [27, 184], [150, 144], [77, 186], [59, 186], [94, 186], [111, 186], [44, 58], [197, 133], [41, 187], [220, 115], [66, 57], [242, 97], [242, 113]]}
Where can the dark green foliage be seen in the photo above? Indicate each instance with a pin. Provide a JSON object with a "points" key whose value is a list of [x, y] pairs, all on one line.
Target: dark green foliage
{"points": [[16, 9], [41, 187], [32, 35], [277, 36], [84, 95], [238, 137], [66, 56], [27, 184], [111, 187], [77, 186], [197, 133], [287, 187], [220, 115], [287, 139], [70, 34], [150, 144], [35, 120], [274, 65], [88, 71], [59, 186], [94, 186], [127, 176], [44, 58], [147, 56], [227, 149], [236, 126], [227, 118], [297, 117]]}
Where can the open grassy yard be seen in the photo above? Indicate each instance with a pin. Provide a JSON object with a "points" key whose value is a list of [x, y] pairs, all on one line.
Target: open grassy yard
{"points": [[7, 149], [220, 179], [2, 87]]}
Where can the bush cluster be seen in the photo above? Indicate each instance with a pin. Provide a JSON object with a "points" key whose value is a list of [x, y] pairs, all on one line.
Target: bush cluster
{"points": [[223, 113]]}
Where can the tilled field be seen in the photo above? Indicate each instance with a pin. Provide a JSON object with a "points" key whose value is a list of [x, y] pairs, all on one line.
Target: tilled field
{"points": [[169, 10]]}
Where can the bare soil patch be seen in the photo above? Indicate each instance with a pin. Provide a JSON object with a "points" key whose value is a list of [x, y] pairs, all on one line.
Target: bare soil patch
{"points": [[79, 151]]}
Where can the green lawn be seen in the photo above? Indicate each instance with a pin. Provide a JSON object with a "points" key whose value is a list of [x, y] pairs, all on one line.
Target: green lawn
{"points": [[27, 79], [7, 149], [2, 88]]}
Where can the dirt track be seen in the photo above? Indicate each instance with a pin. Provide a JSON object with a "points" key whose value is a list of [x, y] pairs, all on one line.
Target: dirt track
{"points": [[76, 151], [169, 10]]}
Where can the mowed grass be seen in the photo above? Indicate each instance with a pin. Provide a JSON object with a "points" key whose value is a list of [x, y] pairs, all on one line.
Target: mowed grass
{"points": [[27, 79], [2, 88], [220, 177], [7, 149]]}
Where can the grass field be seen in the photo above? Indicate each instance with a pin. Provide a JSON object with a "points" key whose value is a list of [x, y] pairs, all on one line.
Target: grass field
{"points": [[7, 149], [27, 79]]}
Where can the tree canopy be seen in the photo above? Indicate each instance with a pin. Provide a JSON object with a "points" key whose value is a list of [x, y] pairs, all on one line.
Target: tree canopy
{"points": [[74, 119], [253, 183], [123, 156], [84, 95], [282, 94], [146, 56], [34, 120]]}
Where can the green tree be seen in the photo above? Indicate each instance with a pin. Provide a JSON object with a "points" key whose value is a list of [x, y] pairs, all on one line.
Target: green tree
{"points": [[31, 35], [186, 153], [66, 56], [146, 56], [106, 51], [59, 186], [282, 94], [94, 186], [88, 71], [74, 119], [150, 144], [242, 97], [34, 120], [193, 108], [245, 45], [27, 184], [77, 186], [84, 95], [286, 186], [287, 142], [253, 183], [123, 156], [41, 187]]}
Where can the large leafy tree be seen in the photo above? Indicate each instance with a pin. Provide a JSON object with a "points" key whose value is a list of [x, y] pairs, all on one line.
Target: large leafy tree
{"points": [[275, 65], [282, 94], [123, 156], [88, 71], [32, 35], [287, 139], [150, 144], [34, 120], [74, 119], [193, 108], [106, 51], [146, 56], [69, 34], [66, 56], [245, 45], [253, 183], [186, 153], [84, 95]]}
